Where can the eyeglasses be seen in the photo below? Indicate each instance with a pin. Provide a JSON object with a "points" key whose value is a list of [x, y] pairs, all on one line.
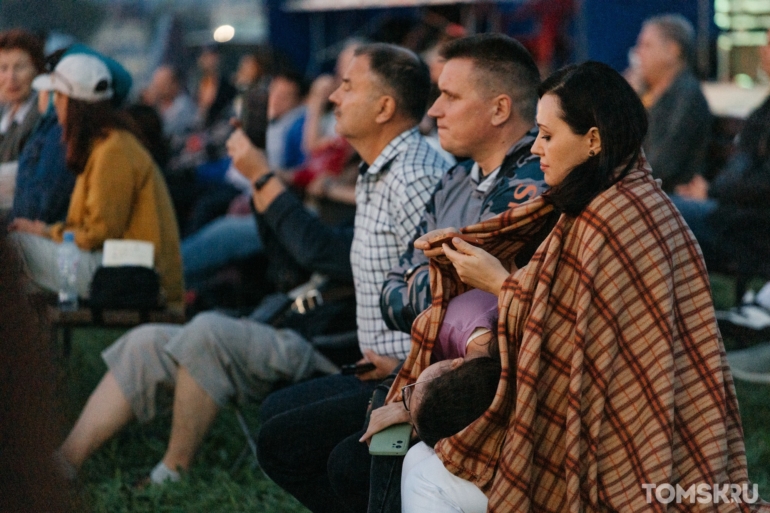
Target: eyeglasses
{"points": [[406, 391]]}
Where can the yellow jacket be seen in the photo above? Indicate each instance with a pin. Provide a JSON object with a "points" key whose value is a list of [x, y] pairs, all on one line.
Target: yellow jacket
{"points": [[122, 195]]}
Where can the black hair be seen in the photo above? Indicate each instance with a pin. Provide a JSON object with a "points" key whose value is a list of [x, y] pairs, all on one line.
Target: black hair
{"points": [[402, 72], [590, 95], [508, 67], [455, 399], [150, 124]]}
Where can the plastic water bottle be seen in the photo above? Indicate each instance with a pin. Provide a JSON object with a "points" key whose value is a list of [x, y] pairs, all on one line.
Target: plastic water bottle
{"points": [[68, 258]]}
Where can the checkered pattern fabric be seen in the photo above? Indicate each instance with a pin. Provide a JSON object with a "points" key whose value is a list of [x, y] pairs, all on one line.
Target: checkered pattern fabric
{"points": [[390, 199], [614, 373]]}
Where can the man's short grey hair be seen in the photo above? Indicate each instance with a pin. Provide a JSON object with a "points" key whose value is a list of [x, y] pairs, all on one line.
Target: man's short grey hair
{"points": [[677, 29]]}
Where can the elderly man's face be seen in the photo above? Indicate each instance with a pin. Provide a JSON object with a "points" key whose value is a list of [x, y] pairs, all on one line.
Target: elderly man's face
{"points": [[357, 100], [655, 53], [16, 74], [282, 97]]}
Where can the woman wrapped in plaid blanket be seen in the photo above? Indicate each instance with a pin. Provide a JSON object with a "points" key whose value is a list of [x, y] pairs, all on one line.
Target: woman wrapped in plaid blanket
{"points": [[614, 390]]}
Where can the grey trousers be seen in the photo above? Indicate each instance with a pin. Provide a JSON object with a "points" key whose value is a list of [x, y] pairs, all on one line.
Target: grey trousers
{"points": [[231, 359]]}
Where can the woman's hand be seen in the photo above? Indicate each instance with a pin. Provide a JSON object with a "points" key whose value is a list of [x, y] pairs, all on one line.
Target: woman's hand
{"points": [[385, 416], [476, 267], [28, 226], [423, 242]]}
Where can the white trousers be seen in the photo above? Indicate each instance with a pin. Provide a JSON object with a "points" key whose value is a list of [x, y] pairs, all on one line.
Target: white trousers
{"points": [[426, 486], [40, 259]]}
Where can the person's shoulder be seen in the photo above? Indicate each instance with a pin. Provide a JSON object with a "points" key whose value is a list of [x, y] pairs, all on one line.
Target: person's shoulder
{"points": [[417, 159]]}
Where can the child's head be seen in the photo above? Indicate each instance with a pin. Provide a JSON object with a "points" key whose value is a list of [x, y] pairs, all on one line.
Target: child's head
{"points": [[453, 396]]}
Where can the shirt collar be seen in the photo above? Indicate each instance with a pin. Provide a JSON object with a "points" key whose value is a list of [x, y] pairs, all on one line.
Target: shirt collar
{"points": [[483, 183], [395, 147], [21, 113]]}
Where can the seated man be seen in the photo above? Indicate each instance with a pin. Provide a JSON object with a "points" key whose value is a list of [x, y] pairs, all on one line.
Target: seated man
{"points": [[215, 358], [486, 112], [730, 215], [680, 121]]}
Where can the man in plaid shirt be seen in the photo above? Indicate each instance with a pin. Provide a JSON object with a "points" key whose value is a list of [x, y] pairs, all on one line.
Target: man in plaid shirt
{"points": [[486, 112], [378, 105]]}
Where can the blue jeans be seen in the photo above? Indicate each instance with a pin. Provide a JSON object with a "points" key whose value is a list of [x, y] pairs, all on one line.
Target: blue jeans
{"points": [[220, 242], [308, 442], [696, 213]]}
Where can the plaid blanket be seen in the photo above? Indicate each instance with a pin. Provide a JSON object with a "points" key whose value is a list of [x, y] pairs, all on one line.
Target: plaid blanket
{"points": [[614, 372]]}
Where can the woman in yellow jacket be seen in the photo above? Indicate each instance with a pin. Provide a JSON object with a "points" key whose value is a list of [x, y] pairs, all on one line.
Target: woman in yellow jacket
{"points": [[119, 192]]}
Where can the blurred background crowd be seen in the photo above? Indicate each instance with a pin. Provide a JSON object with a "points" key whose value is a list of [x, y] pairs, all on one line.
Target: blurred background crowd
{"points": [[187, 67]]}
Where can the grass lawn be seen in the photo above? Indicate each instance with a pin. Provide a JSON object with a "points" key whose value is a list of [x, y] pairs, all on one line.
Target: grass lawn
{"points": [[109, 478]]}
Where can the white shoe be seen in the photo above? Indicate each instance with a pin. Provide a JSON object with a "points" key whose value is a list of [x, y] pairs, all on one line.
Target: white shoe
{"points": [[161, 474], [748, 316]]}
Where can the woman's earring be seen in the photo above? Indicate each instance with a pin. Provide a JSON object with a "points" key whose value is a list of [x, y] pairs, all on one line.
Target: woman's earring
{"points": [[591, 153]]}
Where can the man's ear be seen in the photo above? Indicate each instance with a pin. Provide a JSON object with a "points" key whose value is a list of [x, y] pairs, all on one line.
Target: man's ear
{"points": [[386, 109], [502, 106], [456, 363]]}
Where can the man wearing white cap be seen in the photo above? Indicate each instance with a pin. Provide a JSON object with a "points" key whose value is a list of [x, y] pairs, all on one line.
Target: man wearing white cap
{"points": [[119, 192]]}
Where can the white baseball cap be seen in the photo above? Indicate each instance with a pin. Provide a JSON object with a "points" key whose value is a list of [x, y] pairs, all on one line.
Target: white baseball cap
{"points": [[79, 76]]}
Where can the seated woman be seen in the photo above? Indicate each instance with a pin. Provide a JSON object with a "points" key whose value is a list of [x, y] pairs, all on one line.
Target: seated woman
{"points": [[44, 183], [119, 192], [614, 374]]}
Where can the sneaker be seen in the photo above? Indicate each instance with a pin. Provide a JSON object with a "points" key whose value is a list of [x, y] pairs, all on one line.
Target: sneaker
{"points": [[748, 322], [162, 474]]}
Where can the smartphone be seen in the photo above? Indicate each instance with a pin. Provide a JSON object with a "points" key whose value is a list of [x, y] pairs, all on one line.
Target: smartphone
{"points": [[391, 441], [357, 368], [447, 239]]}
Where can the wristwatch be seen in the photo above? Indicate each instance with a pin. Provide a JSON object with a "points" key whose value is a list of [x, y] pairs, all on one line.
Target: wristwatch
{"points": [[262, 180], [412, 270]]}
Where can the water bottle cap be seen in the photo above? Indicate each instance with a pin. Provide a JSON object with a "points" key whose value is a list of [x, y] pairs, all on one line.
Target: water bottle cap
{"points": [[69, 236]]}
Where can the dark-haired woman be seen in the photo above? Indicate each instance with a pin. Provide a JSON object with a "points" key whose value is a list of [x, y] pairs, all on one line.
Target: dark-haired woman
{"points": [[119, 192], [614, 375]]}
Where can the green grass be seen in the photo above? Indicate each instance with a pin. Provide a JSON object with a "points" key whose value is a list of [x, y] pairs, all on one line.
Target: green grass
{"points": [[109, 478]]}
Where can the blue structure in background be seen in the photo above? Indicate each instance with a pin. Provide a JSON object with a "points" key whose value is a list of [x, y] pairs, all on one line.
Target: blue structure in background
{"points": [[610, 28], [613, 25]]}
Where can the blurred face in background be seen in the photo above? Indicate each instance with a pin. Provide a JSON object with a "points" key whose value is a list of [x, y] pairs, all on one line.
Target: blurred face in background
{"points": [[163, 87], [60, 103], [248, 71], [282, 97], [208, 62], [43, 97], [656, 55], [16, 74]]}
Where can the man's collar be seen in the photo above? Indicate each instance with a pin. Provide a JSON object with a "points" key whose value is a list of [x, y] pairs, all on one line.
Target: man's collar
{"points": [[390, 152], [20, 113], [519, 149]]}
